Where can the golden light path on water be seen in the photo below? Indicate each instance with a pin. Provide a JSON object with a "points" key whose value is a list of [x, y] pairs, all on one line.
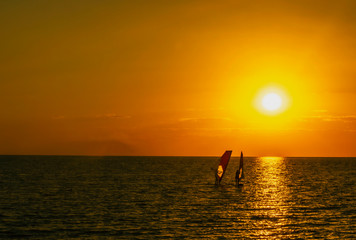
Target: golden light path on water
{"points": [[272, 196], [265, 213]]}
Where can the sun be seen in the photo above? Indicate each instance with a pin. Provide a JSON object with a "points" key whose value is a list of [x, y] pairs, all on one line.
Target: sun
{"points": [[271, 100]]}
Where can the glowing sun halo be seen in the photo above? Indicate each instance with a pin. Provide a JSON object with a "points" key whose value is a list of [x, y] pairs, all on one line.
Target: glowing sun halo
{"points": [[271, 101]]}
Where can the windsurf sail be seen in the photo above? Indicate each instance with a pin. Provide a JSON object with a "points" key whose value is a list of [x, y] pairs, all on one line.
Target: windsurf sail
{"points": [[224, 160], [239, 173]]}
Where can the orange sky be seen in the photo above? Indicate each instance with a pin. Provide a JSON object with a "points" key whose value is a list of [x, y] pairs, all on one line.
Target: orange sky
{"points": [[177, 77]]}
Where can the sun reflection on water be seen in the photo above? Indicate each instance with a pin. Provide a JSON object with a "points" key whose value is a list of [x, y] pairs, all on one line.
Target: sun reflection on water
{"points": [[271, 197], [262, 204], [269, 158]]}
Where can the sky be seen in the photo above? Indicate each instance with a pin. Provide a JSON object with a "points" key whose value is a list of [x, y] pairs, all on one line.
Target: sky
{"points": [[177, 78]]}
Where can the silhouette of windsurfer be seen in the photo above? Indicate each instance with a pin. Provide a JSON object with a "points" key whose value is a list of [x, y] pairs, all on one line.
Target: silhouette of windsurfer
{"points": [[238, 174]]}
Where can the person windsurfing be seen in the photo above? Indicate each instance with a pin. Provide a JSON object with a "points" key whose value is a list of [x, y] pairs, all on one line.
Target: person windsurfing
{"points": [[239, 173]]}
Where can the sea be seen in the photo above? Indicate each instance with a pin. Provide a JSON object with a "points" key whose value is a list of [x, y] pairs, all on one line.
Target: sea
{"points": [[82, 197]]}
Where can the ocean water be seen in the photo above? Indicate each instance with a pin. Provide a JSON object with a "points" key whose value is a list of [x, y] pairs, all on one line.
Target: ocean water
{"points": [[63, 197]]}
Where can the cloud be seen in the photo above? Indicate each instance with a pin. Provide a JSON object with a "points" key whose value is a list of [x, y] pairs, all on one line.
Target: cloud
{"points": [[107, 116], [100, 147], [112, 116], [332, 118], [90, 147], [344, 123], [350, 118], [203, 119], [195, 126]]}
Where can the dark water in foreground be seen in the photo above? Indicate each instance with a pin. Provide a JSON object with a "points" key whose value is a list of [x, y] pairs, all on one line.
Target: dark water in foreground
{"points": [[175, 197]]}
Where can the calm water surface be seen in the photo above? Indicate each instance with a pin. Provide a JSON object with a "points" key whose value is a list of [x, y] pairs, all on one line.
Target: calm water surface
{"points": [[56, 197]]}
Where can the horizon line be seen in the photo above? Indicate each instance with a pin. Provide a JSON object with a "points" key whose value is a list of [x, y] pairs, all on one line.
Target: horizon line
{"points": [[84, 155]]}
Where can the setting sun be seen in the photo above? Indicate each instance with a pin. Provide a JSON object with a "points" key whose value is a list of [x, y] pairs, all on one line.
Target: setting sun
{"points": [[271, 101]]}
